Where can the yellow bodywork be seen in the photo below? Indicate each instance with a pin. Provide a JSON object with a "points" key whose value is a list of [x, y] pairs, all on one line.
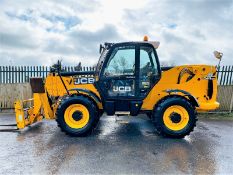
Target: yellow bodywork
{"points": [[55, 88], [197, 86]]}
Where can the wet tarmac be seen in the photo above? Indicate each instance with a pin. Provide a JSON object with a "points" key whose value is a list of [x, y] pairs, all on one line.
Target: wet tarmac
{"points": [[117, 147]]}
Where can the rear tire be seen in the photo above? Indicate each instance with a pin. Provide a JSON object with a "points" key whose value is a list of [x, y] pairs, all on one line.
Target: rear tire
{"points": [[77, 115], [174, 117]]}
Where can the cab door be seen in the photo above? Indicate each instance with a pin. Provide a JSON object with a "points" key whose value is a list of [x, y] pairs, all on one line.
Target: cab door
{"points": [[149, 70]]}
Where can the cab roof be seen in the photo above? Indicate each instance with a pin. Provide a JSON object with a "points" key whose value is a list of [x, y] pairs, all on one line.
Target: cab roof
{"points": [[154, 43]]}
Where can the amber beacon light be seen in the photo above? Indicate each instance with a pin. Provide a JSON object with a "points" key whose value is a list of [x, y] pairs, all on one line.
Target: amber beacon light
{"points": [[145, 38]]}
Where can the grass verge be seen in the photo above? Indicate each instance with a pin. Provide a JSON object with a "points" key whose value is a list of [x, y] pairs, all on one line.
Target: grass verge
{"points": [[216, 116]]}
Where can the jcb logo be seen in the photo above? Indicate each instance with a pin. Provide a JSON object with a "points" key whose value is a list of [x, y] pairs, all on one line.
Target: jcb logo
{"points": [[121, 88], [84, 80]]}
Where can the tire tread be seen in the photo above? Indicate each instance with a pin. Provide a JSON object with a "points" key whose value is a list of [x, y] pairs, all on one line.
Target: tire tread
{"points": [[157, 112]]}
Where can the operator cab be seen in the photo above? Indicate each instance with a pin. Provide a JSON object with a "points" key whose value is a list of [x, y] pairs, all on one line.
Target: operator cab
{"points": [[126, 73]]}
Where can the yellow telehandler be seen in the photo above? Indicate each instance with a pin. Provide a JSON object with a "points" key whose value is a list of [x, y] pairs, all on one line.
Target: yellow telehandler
{"points": [[128, 80]]}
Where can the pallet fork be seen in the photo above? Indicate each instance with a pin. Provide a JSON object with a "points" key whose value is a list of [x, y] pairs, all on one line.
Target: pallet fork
{"points": [[34, 113], [40, 108]]}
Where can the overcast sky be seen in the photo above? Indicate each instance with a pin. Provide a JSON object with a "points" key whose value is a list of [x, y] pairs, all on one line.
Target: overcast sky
{"points": [[40, 32]]}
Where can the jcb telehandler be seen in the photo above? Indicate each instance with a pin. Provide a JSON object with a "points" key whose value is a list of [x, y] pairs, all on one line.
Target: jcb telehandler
{"points": [[128, 80]]}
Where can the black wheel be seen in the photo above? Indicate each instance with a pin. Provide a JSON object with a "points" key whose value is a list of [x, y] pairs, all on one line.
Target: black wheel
{"points": [[77, 115], [174, 117]]}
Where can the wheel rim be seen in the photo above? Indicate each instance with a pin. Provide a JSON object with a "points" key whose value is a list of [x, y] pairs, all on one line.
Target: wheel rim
{"points": [[176, 117], [76, 116]]}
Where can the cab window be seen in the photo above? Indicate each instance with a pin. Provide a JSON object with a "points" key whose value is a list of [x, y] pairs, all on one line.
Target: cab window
{"points": [[121, 62]]}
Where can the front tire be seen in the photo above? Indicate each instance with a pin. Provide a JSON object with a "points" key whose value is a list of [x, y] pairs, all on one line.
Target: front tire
{"points": [[77, 115], [174, 117]]}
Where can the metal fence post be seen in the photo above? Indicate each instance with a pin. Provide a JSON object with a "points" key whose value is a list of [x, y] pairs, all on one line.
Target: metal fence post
{"points": [[231, 104]]}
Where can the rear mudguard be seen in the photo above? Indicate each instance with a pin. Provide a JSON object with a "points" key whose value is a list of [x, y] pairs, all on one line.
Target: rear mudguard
{"points": [[190, 96]]}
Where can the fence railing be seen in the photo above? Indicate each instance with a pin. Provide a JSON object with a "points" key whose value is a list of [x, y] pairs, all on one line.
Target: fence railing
{"points": [[225, 75], [22, 74]]}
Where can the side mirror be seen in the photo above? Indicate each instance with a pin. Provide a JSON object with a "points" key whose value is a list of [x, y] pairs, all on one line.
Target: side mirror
{"points": [[218, 55]]}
